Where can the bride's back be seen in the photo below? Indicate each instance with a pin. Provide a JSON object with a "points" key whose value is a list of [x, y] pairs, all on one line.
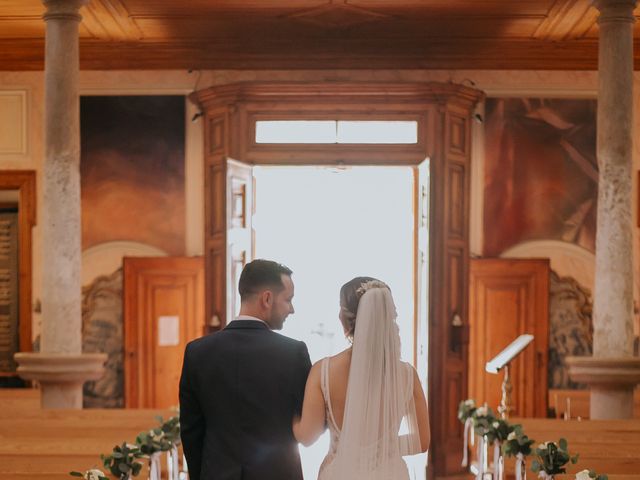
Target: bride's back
{"points": [[338, 380]]}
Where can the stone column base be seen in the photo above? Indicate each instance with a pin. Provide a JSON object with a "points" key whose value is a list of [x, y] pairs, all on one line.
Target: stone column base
{"points": [[611, 380], [61, 376]]}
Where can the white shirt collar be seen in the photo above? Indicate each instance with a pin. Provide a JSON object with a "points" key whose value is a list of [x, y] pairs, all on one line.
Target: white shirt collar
{"points": [[248, 317]]}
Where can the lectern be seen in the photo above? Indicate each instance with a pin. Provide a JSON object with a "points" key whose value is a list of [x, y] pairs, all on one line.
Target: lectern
{"points": [[501, 361]]}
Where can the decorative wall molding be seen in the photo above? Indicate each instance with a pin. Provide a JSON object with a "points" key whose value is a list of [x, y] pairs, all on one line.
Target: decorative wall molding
{"points": [[14, 120]]}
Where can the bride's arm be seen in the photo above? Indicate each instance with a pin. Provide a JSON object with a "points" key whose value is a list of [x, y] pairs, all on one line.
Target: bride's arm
{"points": [[418, 417], [422, 412], [310, 426]]}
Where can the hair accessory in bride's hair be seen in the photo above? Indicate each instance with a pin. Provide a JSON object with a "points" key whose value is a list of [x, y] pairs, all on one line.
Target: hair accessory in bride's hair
{"points": [[369, 285]]}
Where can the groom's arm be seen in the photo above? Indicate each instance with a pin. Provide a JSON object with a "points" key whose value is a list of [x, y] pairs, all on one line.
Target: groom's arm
{"points": [[302, 372], [192, 426]]}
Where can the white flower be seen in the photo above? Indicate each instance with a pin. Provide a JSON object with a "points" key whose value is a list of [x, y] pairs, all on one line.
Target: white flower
{"points": [[583, 475], [94, 474], [470, 403], [544, 445], [482, 412], [495, 425], [512, 436]]}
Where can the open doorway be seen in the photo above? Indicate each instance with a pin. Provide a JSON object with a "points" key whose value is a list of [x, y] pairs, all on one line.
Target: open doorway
{"points": [[441, 115], [329, 225]]}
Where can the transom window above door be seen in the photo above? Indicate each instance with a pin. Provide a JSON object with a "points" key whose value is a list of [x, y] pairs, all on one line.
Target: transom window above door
{"points": [[337, 131]]}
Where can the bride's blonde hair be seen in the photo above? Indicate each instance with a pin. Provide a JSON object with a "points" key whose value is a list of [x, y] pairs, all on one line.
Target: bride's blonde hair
{"points": [[350, 295]]}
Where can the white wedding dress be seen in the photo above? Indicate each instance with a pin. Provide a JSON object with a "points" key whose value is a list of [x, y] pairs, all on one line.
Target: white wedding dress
{"points": [[379, 398]]}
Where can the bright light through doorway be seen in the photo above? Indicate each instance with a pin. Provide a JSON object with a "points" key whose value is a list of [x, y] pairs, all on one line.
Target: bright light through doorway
{"points": [[329, 225]]}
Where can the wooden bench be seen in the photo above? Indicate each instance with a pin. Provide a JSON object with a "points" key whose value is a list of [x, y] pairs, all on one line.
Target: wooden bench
{"points": [[577, 403], [14, 399], [609, 447], [37, 443]]}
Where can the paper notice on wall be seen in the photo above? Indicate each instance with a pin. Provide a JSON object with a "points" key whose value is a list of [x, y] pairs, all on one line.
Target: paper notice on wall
{"points": [[168, 331]]}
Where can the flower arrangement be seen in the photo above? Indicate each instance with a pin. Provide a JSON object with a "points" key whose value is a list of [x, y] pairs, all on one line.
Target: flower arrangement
{"points": [[499, 431], [483, 420], [517, 443], [590, 475], [466, 409], [92, 474], [160, 439], [551, 458], [123, 461]]}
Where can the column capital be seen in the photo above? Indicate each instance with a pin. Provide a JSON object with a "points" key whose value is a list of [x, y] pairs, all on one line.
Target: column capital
{"points": [[63, 9], [615, 11]]}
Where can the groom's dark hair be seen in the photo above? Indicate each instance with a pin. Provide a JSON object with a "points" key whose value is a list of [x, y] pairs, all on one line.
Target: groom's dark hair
{"points": [[261, 274]]}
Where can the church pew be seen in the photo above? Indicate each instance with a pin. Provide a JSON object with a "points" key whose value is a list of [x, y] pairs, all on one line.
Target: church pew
{"points": [[51, 443], [12, 399], [606, 446], [580, 402]]}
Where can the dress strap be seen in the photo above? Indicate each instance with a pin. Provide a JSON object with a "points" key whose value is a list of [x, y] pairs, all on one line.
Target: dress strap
{"points": [[324, 386], [324, 379]]}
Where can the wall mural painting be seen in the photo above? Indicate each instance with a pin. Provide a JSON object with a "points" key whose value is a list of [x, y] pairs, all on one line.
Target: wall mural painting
{"points": [[132, 170], [541, 174]]}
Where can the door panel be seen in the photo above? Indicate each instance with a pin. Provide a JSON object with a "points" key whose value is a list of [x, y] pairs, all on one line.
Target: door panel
{"points": [[421, 334], [507, 298], [240, 210], [163, 311]]}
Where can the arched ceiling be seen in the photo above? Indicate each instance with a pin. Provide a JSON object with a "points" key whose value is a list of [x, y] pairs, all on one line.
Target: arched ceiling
{"points": [[309, 34]]}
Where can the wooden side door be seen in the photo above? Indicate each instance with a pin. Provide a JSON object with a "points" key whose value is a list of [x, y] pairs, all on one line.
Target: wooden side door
{"points": [[509, 297], [163, 311]]}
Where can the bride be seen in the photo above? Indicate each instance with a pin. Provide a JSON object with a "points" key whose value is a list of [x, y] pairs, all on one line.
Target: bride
{"points": [[365, 393]]}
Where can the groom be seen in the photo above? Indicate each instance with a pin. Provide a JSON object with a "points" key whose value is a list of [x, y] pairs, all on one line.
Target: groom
{"points": [[241, 387]]}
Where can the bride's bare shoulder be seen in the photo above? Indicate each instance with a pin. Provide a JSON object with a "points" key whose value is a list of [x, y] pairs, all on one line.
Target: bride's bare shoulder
{"points": [[342, 357]]}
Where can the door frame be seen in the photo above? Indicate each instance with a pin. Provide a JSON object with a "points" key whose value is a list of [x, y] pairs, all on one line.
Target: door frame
{"points": [[444, 114], [25, 182]]}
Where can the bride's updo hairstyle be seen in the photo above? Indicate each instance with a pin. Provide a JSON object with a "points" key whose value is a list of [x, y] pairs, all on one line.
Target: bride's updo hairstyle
{"points": [[350, 295]]}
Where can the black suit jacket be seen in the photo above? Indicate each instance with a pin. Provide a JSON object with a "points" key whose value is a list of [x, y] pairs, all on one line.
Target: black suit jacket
{"points": [[239, 391]]}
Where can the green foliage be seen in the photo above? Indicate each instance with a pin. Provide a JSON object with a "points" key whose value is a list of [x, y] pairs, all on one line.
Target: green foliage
{"points": [[160, 439], [551, 458], [483, 420], [123, 461], [517, 442]]}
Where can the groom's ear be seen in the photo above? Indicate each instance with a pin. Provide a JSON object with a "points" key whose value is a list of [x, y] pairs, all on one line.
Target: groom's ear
{"points": [[267, 298]]}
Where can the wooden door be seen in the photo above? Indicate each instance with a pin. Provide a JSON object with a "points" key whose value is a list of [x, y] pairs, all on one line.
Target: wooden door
{"points": [[421, 324], [163, 311], [509, 297], [240, 235]]}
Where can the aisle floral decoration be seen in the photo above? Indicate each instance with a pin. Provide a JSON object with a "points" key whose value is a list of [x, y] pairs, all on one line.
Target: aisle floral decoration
{"points": [[518, 445], [590, 475], [466, 410], [93, 474], [551, 459], [125, 460]]}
